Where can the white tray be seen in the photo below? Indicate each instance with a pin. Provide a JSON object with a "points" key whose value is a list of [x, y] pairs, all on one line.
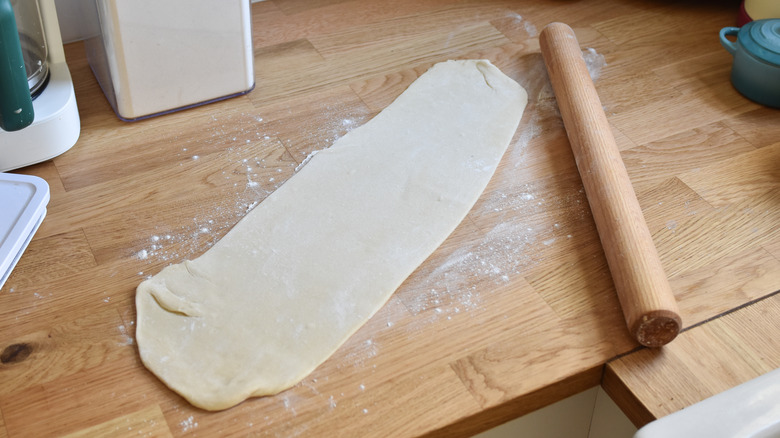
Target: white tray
{"points": [[23, 200]]}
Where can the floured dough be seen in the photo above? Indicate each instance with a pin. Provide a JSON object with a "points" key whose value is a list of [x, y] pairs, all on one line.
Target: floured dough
{"points": [[309, 265]]}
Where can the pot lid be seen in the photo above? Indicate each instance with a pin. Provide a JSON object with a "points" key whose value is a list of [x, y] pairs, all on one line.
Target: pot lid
{"points": [[761, 39]]}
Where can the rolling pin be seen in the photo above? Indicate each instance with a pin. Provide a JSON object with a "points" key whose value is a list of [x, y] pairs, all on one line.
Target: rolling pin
{"points": [[643, 289]]}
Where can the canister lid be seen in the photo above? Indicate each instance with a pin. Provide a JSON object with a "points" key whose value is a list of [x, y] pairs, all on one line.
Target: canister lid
{"points": [[761, 39], [23, 199]]}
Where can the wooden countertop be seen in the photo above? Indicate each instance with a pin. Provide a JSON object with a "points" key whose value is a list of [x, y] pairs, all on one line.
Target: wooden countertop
{"points": [[515, 311]]}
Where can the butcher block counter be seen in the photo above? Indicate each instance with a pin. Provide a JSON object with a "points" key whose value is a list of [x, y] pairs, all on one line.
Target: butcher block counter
{"points": [[515, 311]]}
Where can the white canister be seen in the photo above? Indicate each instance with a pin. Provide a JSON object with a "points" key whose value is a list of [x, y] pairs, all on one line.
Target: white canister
{"points": [[152, 57]]}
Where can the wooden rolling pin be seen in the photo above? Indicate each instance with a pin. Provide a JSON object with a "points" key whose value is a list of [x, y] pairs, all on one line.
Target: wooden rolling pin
{"points": [[645, 295]]}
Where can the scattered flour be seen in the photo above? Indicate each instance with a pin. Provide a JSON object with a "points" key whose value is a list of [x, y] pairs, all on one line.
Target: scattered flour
{"points": [[128, 340], [335, 129], [307, 159], [527, 26], [288, 405], [594, 61], [517, 21], [363, 352], [188, 424]]}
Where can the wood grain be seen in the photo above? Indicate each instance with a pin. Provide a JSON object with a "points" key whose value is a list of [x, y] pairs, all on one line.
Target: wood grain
{"points": [[149, 421], [513, 312], [704, 361]]}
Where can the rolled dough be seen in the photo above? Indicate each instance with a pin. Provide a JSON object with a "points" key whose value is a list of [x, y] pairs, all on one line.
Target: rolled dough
{"points": [[299, 274]]}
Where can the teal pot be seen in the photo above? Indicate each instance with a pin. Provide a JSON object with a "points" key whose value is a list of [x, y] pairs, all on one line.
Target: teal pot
{"points": [[755, 72]]}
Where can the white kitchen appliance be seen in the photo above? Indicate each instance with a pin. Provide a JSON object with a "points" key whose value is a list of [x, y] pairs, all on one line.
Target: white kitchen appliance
{"points": [[47, 123]]}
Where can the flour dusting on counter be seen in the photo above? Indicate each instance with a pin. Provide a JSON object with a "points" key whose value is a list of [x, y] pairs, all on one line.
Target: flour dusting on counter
{"points": [[307, 159], [594, 61], [188, 424], [527, 26]]}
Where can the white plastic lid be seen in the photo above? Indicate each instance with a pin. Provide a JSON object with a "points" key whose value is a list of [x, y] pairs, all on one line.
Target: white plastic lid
{"points": [[23, 199]]}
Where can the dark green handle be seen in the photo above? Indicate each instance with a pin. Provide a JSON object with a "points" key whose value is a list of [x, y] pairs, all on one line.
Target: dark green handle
{"points": [[16, 109]]}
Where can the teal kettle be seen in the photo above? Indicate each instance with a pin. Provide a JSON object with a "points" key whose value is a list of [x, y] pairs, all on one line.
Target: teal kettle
{"points": [[755, 71], [23, 62]]}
